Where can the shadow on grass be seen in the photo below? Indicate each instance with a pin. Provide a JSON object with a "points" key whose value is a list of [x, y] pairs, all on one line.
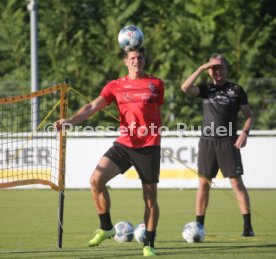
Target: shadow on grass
{"points": [[110, 252], [210, 249]]}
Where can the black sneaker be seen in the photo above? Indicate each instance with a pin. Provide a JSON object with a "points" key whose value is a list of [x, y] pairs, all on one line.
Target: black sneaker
{"points": [[248, 232]]}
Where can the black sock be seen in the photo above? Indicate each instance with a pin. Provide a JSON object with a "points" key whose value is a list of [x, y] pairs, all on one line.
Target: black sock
{"points": [[247, 221], [200, 219], [149, 240], [105, 221]]}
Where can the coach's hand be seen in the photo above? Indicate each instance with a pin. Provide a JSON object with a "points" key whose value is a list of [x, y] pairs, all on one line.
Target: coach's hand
{"points": [[241, 141], [211, 64]]}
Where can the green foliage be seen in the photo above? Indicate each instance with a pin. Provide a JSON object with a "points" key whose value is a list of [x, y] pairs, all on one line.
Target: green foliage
{"points": [[78, 40], [15, 45]]}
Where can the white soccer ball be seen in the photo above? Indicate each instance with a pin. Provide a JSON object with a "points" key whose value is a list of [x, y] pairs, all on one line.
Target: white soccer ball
{"points": [[124, 231], [130, 38], [193, 232], [140, 232]]}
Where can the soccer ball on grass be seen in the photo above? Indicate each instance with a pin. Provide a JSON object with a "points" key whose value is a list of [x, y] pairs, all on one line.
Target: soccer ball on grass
{"points": [[193, 232], [124, 232], [140, 232], [130, 38]]}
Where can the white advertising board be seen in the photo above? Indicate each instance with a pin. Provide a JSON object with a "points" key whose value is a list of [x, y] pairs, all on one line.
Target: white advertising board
{"points": [[178, 163]]}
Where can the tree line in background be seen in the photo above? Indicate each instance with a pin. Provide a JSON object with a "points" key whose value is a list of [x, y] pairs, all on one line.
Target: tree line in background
{"points": [[77, 39]]}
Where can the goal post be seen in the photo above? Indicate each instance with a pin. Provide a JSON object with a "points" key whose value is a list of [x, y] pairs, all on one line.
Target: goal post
{"points": [[34, 156], [62, 162]]}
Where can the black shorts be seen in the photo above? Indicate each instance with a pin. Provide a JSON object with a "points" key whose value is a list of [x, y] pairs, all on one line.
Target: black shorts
{"points": [[145, 160], [215, 154]]}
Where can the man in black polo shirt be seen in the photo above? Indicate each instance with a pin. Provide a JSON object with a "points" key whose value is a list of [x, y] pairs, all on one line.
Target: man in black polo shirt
{"points": [[219, 145]]}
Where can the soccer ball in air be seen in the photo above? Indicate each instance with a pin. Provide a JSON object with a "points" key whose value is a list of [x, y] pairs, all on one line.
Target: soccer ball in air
{"points": [[193, 232], [140, 232], [130, 38], [124, 232]]}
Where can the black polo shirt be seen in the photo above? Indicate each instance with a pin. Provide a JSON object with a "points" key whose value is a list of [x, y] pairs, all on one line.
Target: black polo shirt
{"points": [[221, 105]]}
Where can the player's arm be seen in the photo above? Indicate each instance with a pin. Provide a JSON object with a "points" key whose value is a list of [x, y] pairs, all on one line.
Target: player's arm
{"points": [[241, 141], [85, 112], [188, 86]]}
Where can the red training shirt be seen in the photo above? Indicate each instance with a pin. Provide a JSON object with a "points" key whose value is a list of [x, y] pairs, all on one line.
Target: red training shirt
{"points": [[138, 103]]}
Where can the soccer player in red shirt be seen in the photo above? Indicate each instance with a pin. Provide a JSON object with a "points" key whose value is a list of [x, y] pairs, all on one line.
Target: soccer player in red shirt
{"points": [[138, 97]]}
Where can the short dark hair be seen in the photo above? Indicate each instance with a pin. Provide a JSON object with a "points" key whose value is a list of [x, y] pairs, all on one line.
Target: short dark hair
{"points": [[219, 56], [141, 50]]}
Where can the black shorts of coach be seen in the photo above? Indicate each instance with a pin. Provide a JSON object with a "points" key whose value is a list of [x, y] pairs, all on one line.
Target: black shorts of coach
{"points": [[215, 154], [146, 161]]}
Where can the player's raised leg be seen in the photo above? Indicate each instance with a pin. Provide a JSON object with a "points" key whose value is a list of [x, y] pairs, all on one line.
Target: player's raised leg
{"points": [[105, 170]]}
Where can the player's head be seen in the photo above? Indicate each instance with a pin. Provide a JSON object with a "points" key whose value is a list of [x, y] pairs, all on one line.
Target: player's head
{"points": [[141, 50], [218, 72], [135, 59]]}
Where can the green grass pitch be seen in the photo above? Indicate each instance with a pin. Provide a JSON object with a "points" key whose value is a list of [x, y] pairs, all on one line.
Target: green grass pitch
{"points": [[28, 225]]}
